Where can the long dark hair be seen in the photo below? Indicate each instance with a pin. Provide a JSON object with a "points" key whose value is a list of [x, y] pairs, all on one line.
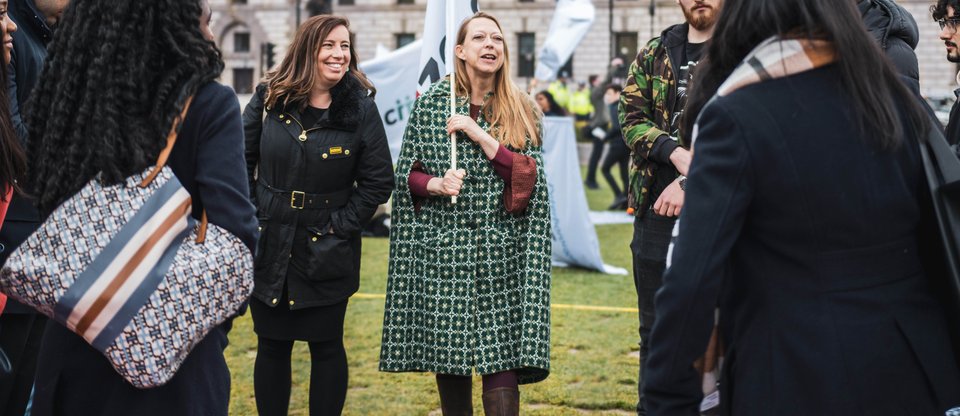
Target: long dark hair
{"points": [[292, 81], [866, 74], [555, 109], [117, 74], [13, 163]]}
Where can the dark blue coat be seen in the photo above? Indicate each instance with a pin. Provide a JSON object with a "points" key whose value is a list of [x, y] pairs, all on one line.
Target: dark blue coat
{"points": [[817, 248], [75, 379]]}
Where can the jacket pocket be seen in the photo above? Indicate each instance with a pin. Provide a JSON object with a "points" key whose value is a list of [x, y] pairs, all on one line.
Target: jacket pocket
{"points": [[331, 256]]}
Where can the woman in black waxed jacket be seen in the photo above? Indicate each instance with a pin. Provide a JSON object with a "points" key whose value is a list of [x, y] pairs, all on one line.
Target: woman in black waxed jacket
{"points": [[318, 166]]}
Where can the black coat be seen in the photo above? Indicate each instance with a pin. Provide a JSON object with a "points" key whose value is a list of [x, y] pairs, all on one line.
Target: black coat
{"points": [[75, 379], [26, 62], [817, 248], [341, 171]]}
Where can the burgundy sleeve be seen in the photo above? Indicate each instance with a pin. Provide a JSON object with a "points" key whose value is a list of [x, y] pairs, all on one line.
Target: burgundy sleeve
{"points": [[519, 174], [417, 181]]}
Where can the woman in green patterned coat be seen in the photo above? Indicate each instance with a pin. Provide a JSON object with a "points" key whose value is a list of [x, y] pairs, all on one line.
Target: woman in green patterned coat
{"points": [[469, 284]]}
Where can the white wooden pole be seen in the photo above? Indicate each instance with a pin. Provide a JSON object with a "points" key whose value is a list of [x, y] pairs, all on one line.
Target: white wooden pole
{"points": [[451, 40]]}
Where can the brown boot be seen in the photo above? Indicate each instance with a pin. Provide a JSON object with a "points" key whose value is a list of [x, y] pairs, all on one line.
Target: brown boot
{"points": [[456, 395], [501, 401]]}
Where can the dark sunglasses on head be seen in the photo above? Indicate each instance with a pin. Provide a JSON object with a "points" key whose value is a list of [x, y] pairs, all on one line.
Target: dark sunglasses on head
{"points": [[952, 22]]}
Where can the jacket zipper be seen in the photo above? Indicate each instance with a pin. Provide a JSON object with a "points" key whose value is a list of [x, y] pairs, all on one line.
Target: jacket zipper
{"points": [[303, 131]]}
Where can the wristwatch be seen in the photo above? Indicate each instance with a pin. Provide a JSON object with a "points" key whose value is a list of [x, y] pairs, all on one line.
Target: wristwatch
{"points": [[683, 183]]}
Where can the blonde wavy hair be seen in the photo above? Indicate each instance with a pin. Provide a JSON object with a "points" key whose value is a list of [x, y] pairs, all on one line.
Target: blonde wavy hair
{"points": [[292, 81], [512, 113]]}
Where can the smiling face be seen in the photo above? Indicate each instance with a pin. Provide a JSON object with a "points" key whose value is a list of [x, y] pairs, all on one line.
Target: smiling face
{"points": [[482, 50], [8, 27], [334, 56], [701, 14]]}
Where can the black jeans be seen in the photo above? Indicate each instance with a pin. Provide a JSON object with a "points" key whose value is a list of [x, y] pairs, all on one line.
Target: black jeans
{"points": [[595, 154], [651, 238]]}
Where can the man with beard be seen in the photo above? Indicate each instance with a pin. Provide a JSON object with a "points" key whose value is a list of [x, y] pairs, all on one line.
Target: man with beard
{"points": [[21, 327], [945, 13], [650, 110]]}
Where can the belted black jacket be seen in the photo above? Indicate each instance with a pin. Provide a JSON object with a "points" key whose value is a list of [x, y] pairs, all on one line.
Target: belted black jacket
{"points": [[314, 188]]}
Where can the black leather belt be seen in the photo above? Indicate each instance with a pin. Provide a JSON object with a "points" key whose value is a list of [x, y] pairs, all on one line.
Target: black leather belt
{"points": [[305, 200]]}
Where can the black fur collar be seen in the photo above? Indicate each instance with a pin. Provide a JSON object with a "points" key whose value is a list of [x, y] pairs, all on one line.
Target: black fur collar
{"points": [[346, 106]]}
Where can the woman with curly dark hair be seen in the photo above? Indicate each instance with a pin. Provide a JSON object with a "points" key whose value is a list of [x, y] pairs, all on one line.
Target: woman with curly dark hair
{"points": [[118, 74]]}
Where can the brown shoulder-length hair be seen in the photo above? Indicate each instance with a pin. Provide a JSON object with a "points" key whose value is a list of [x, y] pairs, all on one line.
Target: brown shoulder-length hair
{"points": [[291, 82], [511, 112]]}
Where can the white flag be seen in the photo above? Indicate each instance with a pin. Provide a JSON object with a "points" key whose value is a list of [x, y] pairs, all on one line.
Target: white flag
{"points": [[571, 22], [394, 74], [434, 64]]}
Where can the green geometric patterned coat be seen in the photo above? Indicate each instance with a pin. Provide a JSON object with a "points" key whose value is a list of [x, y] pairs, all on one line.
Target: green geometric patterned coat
{"points": [[469, 284]]}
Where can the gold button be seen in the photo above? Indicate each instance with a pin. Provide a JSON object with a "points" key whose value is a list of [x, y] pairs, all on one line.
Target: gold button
{"points": [[281, 116], [288, 121], [313, 239], [259, 228], [324, 155], [291, 303], [326, 201], [347, 152], [274, 301], [268, 108]]}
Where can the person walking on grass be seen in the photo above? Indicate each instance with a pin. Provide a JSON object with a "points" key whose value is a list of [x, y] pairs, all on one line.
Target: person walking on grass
{"points": [[469, 283]]}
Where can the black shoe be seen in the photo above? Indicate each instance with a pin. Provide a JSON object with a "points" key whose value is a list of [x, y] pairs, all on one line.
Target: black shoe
{"points": [[619, 203], [591, 185]]}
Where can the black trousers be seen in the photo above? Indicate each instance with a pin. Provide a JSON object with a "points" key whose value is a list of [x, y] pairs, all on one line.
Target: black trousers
{"points": [[20, 337], [595, 154], [618, 154], [651, 238]]}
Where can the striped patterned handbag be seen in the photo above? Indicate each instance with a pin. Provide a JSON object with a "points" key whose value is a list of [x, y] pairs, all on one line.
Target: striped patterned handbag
{"points": [[127, 268]]}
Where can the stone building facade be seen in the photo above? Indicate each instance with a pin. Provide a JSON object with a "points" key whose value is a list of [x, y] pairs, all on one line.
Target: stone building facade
{"points": [[244, 27]]}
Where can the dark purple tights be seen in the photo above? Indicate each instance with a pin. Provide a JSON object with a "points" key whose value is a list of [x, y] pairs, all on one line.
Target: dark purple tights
{"points": [[490, 381]]}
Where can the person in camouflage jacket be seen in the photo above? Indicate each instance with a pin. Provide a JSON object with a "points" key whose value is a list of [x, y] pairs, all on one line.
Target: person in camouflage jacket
{"points": [[651, 106]]}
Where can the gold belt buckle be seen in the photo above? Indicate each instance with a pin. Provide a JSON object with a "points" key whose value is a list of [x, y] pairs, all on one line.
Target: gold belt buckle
{"points": [[293, 199]]}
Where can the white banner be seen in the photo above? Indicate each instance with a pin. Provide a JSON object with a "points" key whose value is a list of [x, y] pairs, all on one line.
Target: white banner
{"points": [[434, 64], [394, 74], [571, 22], [575, 240]]}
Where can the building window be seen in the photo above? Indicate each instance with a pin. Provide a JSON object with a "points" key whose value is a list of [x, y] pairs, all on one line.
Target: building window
{"points": [[625, 45], [404, 38], [243, 80], [404, 1], [241, 42], [527, 52], [238, 2], [345, 2]]}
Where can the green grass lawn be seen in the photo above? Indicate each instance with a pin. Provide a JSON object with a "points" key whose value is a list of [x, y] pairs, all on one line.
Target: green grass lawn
{"points": [[593, 354]]}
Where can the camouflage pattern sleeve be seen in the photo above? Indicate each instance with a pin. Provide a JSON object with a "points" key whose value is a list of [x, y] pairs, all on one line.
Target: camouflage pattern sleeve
{"points": [[643, 95]]}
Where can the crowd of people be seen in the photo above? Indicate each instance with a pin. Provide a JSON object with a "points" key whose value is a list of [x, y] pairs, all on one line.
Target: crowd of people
{"points": [[795, 277]]}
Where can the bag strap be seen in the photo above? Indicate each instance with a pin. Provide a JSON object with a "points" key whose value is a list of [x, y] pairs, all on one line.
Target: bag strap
{"points": [[171, 140], [162, 161]]}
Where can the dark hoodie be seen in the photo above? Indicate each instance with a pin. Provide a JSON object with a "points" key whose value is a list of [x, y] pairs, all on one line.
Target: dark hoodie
{"points": [[896, 32]]}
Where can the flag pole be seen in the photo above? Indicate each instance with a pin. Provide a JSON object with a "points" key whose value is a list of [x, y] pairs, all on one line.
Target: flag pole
{"points": [[453, 84]]}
